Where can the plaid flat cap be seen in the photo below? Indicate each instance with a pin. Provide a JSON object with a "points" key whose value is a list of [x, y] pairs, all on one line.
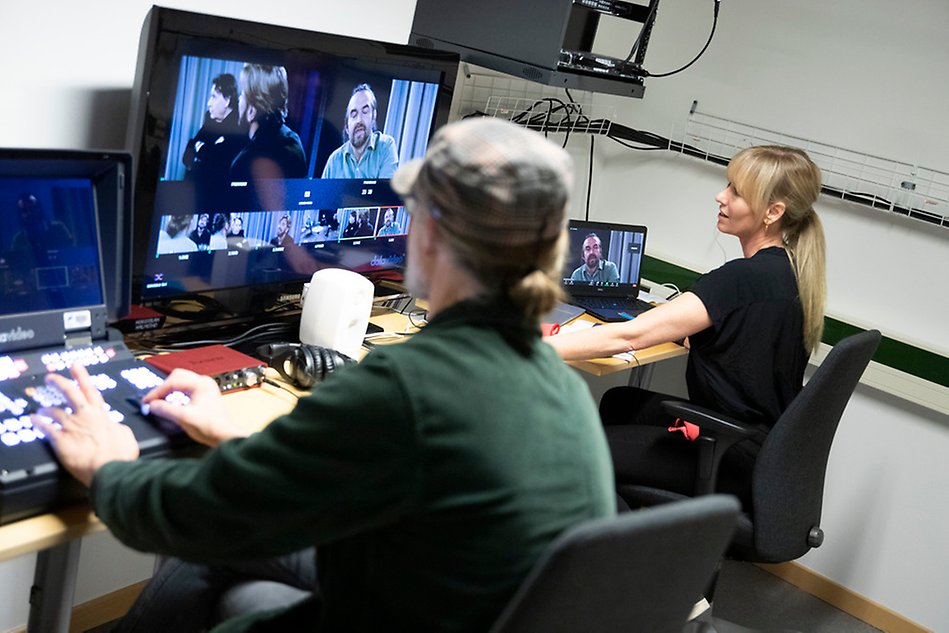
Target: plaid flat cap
{"points": [[491, 181]]}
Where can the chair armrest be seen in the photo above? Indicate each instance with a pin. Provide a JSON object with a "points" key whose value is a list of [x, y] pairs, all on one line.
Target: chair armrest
{"points": [[712, 422], [718, 434]]}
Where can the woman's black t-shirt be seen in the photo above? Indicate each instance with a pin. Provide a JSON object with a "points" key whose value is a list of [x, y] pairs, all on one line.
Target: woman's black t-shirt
{"points": [[750, 363]]}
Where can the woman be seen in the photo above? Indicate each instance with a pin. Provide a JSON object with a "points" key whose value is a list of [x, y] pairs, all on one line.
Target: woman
{"points": [[750, 326], [219, 229]]}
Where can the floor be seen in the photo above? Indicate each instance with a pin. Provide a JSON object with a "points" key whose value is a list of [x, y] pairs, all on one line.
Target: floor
{"points": [[750, 599], [754, 599]]}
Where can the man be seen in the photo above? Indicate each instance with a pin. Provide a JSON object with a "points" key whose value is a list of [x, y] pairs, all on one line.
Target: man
{"points": [[201, 235], [38, 234], [432, 475], [36, 245], [364, 227], [283, 237], [389, 227], [594, 268], [352, 225], [208, 156], [235, 235], [366, 152], [274, 150]]}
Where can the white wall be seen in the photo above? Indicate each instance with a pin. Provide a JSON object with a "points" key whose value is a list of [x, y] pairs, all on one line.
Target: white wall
{"points": [[65, 61], [864, 74]]}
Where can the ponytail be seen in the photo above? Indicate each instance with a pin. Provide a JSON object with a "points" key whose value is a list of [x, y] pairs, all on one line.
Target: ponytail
{"points": [[807, 252], [528, 276], [537, 292]]}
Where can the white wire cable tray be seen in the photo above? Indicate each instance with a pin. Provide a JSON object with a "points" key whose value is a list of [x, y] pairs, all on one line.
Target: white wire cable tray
{"points": [[902, 188], [550, 114]]}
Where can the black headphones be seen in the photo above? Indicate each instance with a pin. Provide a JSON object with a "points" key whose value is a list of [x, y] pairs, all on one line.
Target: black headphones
{"points": [[303, 365]]}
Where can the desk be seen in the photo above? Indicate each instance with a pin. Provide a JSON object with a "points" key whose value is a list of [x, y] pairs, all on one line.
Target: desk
{"points": [[606, 366], [643, 357], [56, 536]]}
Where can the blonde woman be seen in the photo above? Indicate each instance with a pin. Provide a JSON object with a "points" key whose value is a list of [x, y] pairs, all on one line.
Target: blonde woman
{"points": [[750, 326]]}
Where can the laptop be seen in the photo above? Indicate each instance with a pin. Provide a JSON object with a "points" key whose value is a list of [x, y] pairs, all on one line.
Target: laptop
{"points": [[602, 272], [57, 288]]}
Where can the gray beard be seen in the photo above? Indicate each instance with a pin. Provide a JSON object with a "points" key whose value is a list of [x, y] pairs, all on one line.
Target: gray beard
{"points": [[363, 141]]}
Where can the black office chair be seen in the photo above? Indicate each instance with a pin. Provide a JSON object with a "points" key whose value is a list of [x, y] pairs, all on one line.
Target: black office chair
{"points": [[639, 571], [788, 478]]}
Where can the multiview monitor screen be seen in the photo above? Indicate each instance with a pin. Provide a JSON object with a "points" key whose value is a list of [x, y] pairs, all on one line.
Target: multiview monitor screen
{"points": [[265, 152]]}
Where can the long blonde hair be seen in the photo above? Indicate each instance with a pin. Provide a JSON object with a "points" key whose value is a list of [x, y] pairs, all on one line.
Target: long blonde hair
{"points": [[766, 174]]}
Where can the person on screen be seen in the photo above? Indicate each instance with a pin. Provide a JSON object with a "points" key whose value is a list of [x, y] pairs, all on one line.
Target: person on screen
{"points": [[352, 225], [750, 326], [174, 237], [208, 156], [366, 152], [273, 150], [38, 233], [235, 232], [313, 230], [283, 237], [220, 225], [389, 227], [594, 268], [201, 235], [428, 503], [364, 227]]}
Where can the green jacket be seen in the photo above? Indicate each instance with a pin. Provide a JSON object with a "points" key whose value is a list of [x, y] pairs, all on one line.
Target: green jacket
{"points": [[431, 476]]}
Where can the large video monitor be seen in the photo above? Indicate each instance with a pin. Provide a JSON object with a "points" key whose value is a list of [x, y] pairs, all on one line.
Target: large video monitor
{"points": [[264, 154]]}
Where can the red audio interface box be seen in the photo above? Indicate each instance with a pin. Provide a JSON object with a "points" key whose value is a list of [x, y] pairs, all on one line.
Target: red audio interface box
{"points": [[230, 369]]}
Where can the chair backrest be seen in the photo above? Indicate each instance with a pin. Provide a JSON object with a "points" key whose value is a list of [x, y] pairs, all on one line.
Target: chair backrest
{"points": [[788, 480], [637, 571]]}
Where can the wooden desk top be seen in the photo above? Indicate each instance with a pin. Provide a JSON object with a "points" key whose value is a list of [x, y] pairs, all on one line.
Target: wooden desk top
{"points": [[47, 530], [606, 366], [395, 322], [612, 364]]}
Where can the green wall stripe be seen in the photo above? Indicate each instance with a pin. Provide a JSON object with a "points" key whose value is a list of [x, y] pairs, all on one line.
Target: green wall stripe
{"points": [[892, 353]]}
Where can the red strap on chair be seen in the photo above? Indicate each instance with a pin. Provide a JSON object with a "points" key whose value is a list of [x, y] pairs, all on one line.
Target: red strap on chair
{"points": [[689, 431]]}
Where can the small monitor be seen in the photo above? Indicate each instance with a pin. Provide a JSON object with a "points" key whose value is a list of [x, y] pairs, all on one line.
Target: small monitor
{"points": [[55, 280], [264, 153]]}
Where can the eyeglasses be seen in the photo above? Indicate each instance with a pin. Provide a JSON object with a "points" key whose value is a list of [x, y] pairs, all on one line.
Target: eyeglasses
{"points": [[418, 318]]}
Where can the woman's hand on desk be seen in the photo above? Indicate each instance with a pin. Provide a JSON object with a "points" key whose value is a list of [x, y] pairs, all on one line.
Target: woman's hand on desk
{"points": [[204, 418], [84, 437]]}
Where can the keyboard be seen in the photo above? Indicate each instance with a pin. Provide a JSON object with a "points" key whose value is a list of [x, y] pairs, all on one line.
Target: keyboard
{"points": [[31, 479], [614, 303], [612, 309]]}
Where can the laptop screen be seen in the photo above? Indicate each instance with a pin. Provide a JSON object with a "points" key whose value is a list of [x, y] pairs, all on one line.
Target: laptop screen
{"points": [[604, 258]]}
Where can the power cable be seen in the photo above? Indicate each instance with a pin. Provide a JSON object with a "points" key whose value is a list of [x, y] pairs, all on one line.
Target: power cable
{"points": [[701, 52]]}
